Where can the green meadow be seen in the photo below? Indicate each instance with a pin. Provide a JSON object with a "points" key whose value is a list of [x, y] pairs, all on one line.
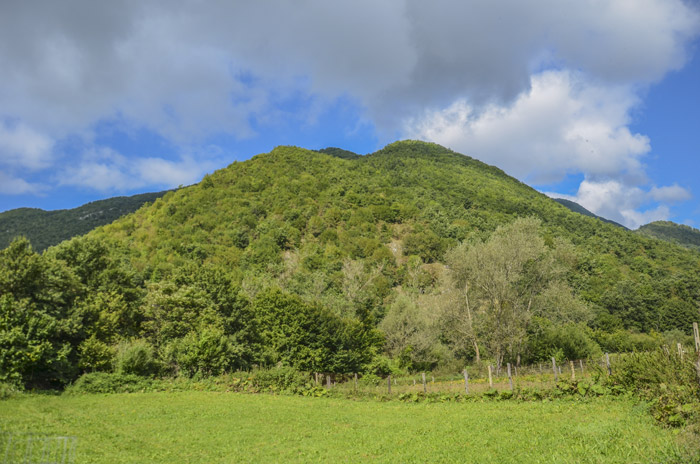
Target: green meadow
{"points": [[207, 427]]}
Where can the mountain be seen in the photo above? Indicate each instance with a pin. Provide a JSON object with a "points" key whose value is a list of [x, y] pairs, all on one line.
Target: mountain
{"points": [[683, 235], [576, 208], [48, 228], [341, 264], [294, 215]]}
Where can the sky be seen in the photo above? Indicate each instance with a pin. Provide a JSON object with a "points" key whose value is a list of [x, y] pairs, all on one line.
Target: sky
{"points": [[597, 101]]}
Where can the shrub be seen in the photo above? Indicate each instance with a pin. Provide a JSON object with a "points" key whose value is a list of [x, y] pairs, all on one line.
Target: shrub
{"points": [[669, 383], [8, 390], [281, 378], [135, 357], [103, 382]]}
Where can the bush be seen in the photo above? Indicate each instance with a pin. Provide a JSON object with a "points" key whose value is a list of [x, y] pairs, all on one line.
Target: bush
{"points": [[135, 357], [281, 378], [8, 390], [669, 383], [102, 382]]}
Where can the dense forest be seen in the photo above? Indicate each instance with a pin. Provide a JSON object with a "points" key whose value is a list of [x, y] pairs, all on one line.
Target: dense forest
{"points": [[48, 228], [683, 235], [413, 257]]}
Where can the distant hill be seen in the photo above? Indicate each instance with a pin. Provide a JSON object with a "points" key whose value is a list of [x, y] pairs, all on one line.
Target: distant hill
{"points": [[339, 153], [576, 208], [48, 228], [671, 232]]}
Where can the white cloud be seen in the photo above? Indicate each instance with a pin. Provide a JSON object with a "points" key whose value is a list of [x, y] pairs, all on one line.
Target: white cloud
{"points": [[188, 70], [563, 124], [174, 66], [10, 185], [671, 193], [23, 147], [105, 170], [629, 205]]}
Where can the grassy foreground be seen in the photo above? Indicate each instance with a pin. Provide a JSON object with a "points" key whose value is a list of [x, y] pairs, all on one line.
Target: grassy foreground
{"points": [[205, 427]]}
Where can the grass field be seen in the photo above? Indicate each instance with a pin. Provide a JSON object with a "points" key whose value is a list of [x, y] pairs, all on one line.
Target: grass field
{"points": [[205, 427]]}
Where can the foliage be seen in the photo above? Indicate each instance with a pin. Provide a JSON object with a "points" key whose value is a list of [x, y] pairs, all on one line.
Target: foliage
{"points": [[104, 382], [669, 382], [681, 234], [280, 379], [135, 358], [303, 258], [47, 228]]}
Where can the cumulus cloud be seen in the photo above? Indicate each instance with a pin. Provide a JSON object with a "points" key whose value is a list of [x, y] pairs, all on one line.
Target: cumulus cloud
{"points": [[670, 193], [174, 65], [495, 77], [106, 170], [563, 124], [10, 185], [21, 146], [627, 204]]}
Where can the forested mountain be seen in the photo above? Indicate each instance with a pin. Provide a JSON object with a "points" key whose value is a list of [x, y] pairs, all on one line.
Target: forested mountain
{"points": [[575, 207], [411, 257], [683, 235], [47, 228]]}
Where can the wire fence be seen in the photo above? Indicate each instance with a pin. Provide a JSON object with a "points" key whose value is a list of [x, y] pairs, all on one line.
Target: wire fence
{"points": [[473, 380], [32, 448]]}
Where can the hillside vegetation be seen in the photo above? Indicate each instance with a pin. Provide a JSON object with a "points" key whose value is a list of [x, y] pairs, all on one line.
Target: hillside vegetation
{"points": [[410, 258], [683, 235], [48, 228]]}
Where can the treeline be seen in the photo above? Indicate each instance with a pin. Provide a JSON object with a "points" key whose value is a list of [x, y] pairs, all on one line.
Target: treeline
{"points": [[74, 309], [414, 257]]}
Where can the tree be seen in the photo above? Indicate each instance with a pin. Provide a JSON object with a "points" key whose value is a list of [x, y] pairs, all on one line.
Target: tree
{"points": [[499, 280], [37, 328]]}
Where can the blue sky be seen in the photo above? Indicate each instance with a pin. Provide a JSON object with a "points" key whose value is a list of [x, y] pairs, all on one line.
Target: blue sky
{"points": [[593, 101]]}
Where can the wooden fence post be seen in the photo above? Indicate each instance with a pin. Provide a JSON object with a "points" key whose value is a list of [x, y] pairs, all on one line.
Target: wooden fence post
{"points": [[355, 381], [490, 378], [510, 378], [466, 382], [425, 387], [607, 363], [388, 383], [573, 370], [328, 381], [554, 368], [580, 361], [680, 351]]}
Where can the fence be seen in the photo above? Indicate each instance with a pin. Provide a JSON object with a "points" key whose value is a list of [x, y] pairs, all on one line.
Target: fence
{"points": [[473, 380], [30, 448], [482, 378]]}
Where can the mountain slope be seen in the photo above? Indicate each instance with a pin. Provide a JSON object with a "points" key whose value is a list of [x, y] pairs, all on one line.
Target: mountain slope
{"points": [[294, 215], [47, 228], [683, 235], [305, 259]]}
